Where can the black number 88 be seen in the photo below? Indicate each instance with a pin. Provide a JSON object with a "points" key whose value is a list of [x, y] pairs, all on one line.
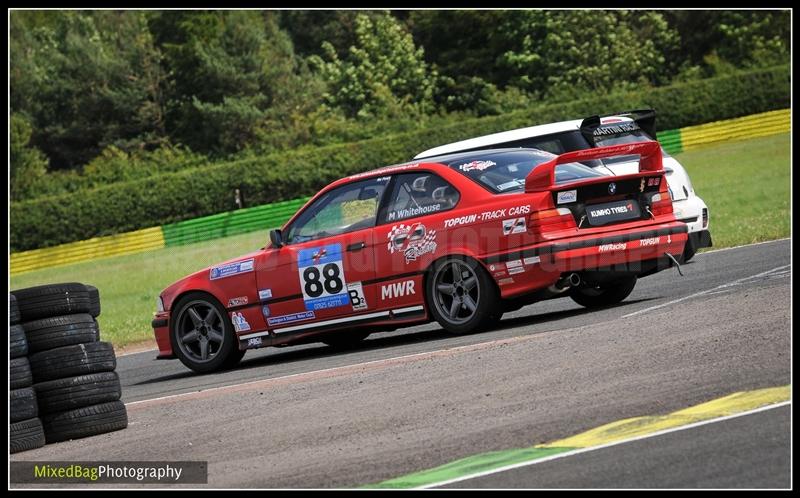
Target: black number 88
{"points": [[332, 282]]}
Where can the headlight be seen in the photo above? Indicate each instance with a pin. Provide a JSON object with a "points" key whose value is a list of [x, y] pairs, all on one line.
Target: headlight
{"points": [[159, 304]]}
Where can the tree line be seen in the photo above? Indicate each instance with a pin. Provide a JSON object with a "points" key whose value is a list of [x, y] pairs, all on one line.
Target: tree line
{"points": [[104, 96]]}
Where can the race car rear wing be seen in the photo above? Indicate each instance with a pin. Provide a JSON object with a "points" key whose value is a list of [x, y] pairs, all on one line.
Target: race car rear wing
{"points": [[645, 119], [543, 176]]}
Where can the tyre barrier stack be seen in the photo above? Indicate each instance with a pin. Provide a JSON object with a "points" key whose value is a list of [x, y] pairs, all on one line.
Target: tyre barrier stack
{"points": [[65, 376]]}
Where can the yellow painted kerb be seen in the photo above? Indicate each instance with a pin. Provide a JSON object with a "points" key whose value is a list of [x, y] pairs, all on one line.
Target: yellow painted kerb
{"points": [[639, 426]]}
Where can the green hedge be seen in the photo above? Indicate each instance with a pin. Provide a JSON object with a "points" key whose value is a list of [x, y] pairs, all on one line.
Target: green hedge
{"points": [[208, 190]]}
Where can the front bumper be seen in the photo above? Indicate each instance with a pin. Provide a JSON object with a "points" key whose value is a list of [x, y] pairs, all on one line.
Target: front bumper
{"points": [[160, 326]]}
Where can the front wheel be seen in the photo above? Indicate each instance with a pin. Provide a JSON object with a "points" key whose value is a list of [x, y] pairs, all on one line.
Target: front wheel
{"points": [[462, 296], [202, 335], [603, 295]]}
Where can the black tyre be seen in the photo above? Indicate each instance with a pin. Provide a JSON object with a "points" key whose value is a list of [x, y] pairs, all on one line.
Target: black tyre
{"points": [[60, 331], [75, 392], [94, 300], [17, 343], [461, 295], [19, 373], [13, 310], [689, 250], [71, 361], [22, 404], [202, 334], [86, 421], [605, 295], [52, 300], [26, 435], [344, 339]]}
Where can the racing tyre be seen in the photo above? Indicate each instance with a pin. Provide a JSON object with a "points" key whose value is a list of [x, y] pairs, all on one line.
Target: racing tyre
{"points": [[202, 334], [345, 339], [60, 331], [603, 295], [75, 392], [52, 300], [689, 250], [86, 421], [13, 310], [19, 372], [22, 404], [17, 343], [94, 300], [26, 435], [71, 361], [461, 295]]}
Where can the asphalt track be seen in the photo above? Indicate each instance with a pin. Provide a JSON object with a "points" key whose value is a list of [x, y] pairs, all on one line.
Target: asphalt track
{"points": [[417, 398]]}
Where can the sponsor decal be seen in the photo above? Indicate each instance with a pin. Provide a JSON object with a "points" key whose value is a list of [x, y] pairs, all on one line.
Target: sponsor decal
{"points": [[231, 269], [237, 301], [622, 127], [412, 212], [264, 294], [515, 270], [654, 181], [514, 225], [612, 247], [322, 277], [239, 322], [511, 184], [412, 241], [649, 242], [532, 260], [476, 165], [505, 281], [265, 311], [612, 188], [513, 263], [254, 342], [613, 211], [461, 220], [356, 293], [292, 317], [641, 185], [398, 289], [567, 196]]}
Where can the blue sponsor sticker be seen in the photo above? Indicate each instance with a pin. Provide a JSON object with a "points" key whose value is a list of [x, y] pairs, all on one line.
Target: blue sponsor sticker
{"points": [[293, 317], [231, 269], [322, 277]]}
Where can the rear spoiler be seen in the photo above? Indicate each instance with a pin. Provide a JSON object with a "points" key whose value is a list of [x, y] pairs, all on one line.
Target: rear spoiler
{"points": [[644, 118], [543, 176]]}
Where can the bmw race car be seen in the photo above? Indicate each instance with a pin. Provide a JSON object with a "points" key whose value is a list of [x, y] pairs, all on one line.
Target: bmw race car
{"points": [[459, 239], [597, 131]]}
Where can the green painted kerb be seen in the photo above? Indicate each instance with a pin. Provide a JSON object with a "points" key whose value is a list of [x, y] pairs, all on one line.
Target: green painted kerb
{"points": [[230, 223], [468, 466], [670, 141]]}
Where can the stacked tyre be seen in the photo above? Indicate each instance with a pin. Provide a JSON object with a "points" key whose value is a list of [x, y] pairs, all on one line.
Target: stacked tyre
{"points": [[77, 389], [25, 427]]}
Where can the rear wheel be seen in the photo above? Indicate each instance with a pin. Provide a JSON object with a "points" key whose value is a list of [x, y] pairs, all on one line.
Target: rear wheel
{"points": [[689, 250], [202, 335], [462, 296], [605, 294]]}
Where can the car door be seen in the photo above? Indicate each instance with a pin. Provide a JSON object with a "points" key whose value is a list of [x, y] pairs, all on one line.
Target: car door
{"points": [[407, 238], [322, 271]]}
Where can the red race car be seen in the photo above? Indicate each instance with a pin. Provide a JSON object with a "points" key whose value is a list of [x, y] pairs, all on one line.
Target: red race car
{"points": [[459, 239]]}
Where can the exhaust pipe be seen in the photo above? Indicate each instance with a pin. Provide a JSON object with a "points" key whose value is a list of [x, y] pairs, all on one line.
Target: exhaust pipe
{"points": [[571, 280]]}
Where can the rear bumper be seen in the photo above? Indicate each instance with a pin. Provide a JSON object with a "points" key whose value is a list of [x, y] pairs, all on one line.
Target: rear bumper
{"points": [[633, 251], [160, 326]]}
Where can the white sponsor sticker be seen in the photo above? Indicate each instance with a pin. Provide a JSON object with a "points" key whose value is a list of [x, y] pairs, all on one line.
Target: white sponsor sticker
{"points": [[237, 301], [514, 225], [397, 289], [239, 322], [357, 298], [515, 270], [567, 196], [532, 260], [265, 293], [513, 263], [254, 342]]}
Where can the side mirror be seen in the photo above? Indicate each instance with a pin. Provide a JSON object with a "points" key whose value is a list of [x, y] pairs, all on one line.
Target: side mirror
{"points": [[276, 237]]}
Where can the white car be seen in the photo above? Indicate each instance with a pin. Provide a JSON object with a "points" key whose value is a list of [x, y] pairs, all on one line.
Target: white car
{"points": [[628, 127]]}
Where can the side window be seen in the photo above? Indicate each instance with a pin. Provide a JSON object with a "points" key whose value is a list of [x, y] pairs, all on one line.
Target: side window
{"points": [[418, 194], [346, 209]]}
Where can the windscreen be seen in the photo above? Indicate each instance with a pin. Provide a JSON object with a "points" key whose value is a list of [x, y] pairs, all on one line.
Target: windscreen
{"points": [[505, 172]]}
